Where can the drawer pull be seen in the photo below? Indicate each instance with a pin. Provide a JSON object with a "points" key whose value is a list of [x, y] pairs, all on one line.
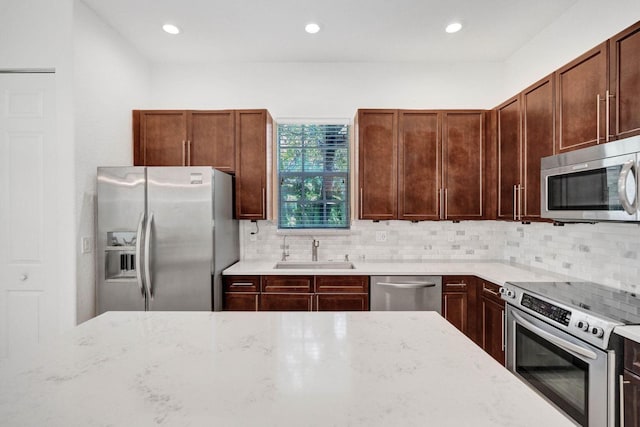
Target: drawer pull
{"points": [[242, 284], [491, 292], [455, 285]]}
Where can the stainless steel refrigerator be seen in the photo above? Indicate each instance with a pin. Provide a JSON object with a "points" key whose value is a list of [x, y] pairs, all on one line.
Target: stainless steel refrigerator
{"points": [[164, 235]]}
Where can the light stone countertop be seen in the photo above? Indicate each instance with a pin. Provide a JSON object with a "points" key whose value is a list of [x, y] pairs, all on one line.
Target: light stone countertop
{"points": [[266, 369], [497, 272], [632, 332]]}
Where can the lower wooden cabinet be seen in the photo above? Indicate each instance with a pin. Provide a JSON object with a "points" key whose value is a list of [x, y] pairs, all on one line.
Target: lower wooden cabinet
{"points": [[296, 293], [492, 321], [459, 303], [631, 384]]}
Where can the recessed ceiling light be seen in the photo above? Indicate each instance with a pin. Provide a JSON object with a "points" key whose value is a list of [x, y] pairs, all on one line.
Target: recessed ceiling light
{"points": [[454, 27], [171, 29], [312, 28]]}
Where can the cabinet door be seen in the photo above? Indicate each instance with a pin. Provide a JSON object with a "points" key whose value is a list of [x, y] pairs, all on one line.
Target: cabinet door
{"points": [[286, 302], [236, 301], [580, 100], [211, 139], [508, 127], [161, 138], [419, 165], [631, 402], [253, 129], [492, 328], [624, 83], [537, 142], [342, 302], [454, 309], [378, 160], [463, 164]]}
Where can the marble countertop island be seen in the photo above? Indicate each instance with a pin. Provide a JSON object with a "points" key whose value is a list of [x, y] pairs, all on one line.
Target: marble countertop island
{"points": [[266, 369]]}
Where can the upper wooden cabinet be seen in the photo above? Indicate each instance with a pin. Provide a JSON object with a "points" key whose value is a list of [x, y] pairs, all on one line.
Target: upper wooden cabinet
{"points": [[538, 130], [581, 96], [253, 134], [160, 138], [377, 134], [439, 170], [211, 140], [184, 138], [233, 141], [624, 82], [508, 136], [419, 165], [463, 164], [525, 134]]}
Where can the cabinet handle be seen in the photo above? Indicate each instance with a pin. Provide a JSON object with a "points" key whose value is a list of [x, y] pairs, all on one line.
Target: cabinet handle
{"points": [[503, 332], [242, 284], [188, 152], [310, 302], [264, 202], [183, 153], [361, 213], [491, 292], [515, 203], [520, 188], [622, 384], [608, 114], [441, 210], [257, 302], [317, 303], [446, 203], [455, 285]]}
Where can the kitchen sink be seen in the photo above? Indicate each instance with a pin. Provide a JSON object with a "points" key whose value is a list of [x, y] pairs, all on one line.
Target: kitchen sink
{"points": [[324, 265]]}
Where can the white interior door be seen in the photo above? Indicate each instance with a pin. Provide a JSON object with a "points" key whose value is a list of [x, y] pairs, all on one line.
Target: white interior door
{"points": [[28, 211]]}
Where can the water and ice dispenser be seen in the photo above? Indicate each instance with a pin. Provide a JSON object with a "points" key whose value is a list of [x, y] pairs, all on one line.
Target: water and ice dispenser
{"points": [[120, 255]]}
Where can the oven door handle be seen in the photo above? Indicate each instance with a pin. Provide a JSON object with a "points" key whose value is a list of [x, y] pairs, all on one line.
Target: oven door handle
{"points": [[563, 344]]}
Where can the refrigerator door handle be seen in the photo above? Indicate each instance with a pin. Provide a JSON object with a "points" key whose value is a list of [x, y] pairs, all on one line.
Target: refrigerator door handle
{"points": [[138, 266], [147, 257]]}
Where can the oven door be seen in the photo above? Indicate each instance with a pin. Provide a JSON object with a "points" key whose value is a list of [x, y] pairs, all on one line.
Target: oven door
{"points": [[570, 373], [605, 189]]}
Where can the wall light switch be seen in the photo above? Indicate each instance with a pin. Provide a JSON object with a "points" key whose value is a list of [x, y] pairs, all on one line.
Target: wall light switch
{"points": [[87, 245], [381, 236]]}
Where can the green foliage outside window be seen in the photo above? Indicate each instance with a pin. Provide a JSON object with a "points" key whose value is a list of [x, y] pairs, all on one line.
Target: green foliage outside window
{"points": [[313, 173]]}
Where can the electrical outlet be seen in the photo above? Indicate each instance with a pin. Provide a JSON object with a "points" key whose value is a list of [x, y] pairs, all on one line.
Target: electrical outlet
{"points": [[381, 236], [87, 245]]}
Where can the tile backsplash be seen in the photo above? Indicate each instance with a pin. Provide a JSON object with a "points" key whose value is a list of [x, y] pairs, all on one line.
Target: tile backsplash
{"points": [[604, 253]]}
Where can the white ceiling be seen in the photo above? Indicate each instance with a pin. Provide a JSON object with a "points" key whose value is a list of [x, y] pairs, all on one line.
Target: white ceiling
{"points": [[352, 30]]}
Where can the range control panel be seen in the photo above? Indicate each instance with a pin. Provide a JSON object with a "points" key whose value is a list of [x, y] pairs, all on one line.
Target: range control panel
{"points": [[546, 309]]}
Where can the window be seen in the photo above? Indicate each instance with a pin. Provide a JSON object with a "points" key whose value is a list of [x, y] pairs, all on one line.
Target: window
{"points": [[313, 175]]}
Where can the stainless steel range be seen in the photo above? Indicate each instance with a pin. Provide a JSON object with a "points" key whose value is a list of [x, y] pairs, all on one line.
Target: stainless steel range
{"points": [[560, 341]]}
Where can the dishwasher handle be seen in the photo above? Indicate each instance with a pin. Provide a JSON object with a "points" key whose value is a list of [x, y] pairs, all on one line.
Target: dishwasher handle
{"points": [[407, 285]]}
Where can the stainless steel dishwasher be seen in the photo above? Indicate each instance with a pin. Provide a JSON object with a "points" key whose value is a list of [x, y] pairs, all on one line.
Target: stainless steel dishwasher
{"points": [[406, 293]]}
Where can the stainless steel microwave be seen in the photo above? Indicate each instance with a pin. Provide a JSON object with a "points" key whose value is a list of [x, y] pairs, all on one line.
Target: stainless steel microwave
{"points": [[593, 184]]}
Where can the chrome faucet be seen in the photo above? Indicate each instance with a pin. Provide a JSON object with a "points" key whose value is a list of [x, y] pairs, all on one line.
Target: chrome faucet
{"points": [[314, 249], [285, 253]]}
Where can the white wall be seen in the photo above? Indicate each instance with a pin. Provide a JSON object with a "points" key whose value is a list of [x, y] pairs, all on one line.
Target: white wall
{"points": [[38, 34], [324, 89], [582, 27], [111, 78]]}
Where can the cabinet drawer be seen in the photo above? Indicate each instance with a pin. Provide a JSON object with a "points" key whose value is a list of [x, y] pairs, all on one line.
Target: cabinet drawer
{"points": [[632, 356], [241, 283], [491, 291], [287, 284], [286, 302], [456, 283], [342, 284], [342, 302]]}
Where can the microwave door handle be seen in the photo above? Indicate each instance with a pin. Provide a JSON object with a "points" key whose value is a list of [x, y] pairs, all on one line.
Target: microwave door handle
{"points": [[138, 261], [563, 344], [628, 206]]}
